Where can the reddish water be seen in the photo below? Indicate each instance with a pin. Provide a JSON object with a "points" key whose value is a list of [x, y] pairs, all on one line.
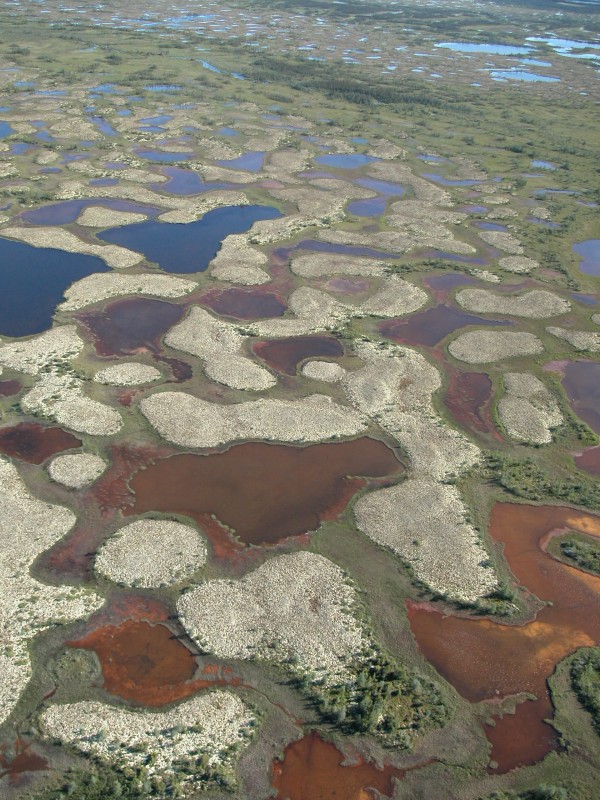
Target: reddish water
{"points": [[431, 326], [505, 660], [581, 382], [467, 398], [147, 664], [265, 492], [23, 761], [312, 769], [130, 325], [589, 460], [10, 388], [284, 355], [245, 303], [34, 443]]}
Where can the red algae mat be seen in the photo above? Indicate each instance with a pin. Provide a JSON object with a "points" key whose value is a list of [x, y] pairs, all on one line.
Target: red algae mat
{"points": [[312, 769], [284, 355], [147, 664], [245, 303], [467, 399], [34, 443], [488, 660], [265, 492]]}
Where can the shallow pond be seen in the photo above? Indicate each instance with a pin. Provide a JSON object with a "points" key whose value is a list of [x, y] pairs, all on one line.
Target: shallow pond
{"points": [[431, 326], [163, 156], [265, 492], [372, 207], [521, 75], [467, 398], [345, 161], [505, 660], [284, 355], [382, 187], [190, 247], [34, 443], [492, 49], [33, 281], [581, 382], [245, 303], [589, 251], [432, 176], [249, 162], [68, 211]]}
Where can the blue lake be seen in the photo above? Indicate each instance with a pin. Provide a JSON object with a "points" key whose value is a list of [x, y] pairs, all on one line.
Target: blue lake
{"points": [[103, 126], [225, 131], [32, 284], [185, 182], [249, 162], [187, 248], [382, 187], [590, 256], [538, 164], [447, 181], [163, 156], [5, 129], [345, 160], [492, 49], [372, 207], [520, 75], [159, 120], [163, 87], [491, 226], [66, 212]]}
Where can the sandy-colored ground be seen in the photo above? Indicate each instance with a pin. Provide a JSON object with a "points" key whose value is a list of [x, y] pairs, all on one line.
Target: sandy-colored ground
{"points": [[76, 470], [483, 347], [528, 411], [536, 304]]}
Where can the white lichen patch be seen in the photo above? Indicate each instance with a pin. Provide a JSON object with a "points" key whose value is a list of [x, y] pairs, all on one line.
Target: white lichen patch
{"points": [[394, 298], [32, 355], [395, 390], [482, 347], [536, 304], [424, 523], [131, 373], [215, 725], [294, 608], [238, 262], [581, 340], [151, 553], [76, 470], [58, 395], [188, 421], [528, 411], [104, 285], [101, 217], [521, 265], [503, 241], [28, 527], [220, 346], [323, 371], [313, 311], [316, 265], [484, 275], [196, 209], [112, 254]]}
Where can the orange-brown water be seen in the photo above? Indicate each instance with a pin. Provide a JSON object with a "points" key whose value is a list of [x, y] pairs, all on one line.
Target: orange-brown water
{"points": [[284, 355], [487, 660], [312, 769], [34, 443], [467, 399], [265, 492]]}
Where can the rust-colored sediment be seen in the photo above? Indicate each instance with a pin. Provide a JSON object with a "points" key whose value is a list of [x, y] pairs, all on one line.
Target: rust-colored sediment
{"points": [[284, 355], [486, 660], [23, 761], [148, 664], [265, 492], [467, 399], [34, 443], [312, 769]]}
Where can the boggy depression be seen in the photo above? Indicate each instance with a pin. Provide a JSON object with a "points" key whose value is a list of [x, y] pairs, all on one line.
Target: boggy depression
{"points": [[487, 660], [265, 492]]}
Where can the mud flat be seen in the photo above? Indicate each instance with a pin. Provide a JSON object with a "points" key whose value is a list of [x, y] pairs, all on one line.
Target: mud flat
{"points": [[114, 256], [188, 421], [28, 527], [424, 523], [294, 606], [536, 304], [151, 553], [483, 347], [95, 288], [220, 346], [585, 341], [77, 470], [528, 411], [129, 374], [215, 725]]}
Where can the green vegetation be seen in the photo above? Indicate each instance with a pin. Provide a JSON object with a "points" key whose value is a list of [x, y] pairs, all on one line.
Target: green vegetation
{"points": [[97, 783], [583, 553], [541, 792], [525, 478], [585, 679]]}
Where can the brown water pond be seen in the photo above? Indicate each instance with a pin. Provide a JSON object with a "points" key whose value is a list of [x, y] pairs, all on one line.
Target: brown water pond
{"points": [[147, 664], [589, 460], [34, 443], [467, 398], [130, 325], [487, 660], [265, 492], [10, 388], [20, 762], [284, 355], [245, 303], [581, 381], [431, 326], [313, 769]]}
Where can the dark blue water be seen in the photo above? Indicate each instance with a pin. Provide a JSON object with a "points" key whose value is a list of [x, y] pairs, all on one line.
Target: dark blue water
{"points": [[491, 226], [66, 212], [186, 182], [590, 255], [431, 176], [345, 161], [373, 207], [250, 162], [225, 131], [187, 248], [159, 120], [103, 126], [5, 129], [586, 299], [32, 284], [162, 156], [382, 187]]}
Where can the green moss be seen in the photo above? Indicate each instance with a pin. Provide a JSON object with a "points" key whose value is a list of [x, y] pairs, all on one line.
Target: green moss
{"points": [[585, 679]]}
